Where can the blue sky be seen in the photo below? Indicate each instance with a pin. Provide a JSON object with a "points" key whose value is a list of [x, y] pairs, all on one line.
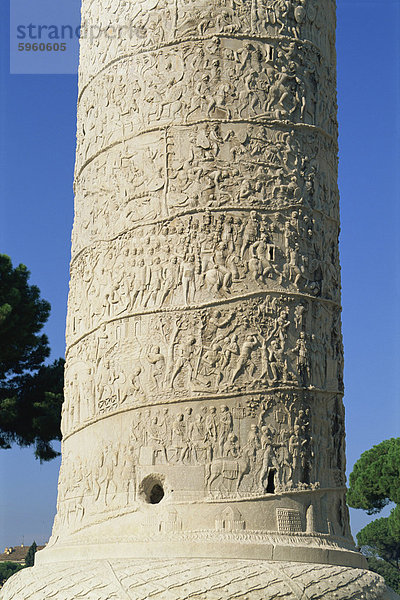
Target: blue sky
{"points": [[37, 145]]}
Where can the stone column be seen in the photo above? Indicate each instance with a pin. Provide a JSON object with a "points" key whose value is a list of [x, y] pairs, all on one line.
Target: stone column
{"points": [[204, 353], [203, 420]]}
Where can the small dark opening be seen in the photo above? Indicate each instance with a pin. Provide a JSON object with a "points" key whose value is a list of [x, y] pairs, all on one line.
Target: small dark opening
{"points": [[271, 482], [271, 254], [306, 474], [156, 494]]}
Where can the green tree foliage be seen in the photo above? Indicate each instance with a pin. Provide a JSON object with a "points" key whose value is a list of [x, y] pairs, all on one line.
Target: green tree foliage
{"points": [[373, 484], [7, 569], [30, 556], [30, 410], [375, 480], [387, 571], [22, 316], [378, 537], [31, 393]]}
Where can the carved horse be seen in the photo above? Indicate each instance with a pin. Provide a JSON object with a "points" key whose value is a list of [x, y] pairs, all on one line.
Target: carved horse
{"points": [[217, 278], [228, 469]]}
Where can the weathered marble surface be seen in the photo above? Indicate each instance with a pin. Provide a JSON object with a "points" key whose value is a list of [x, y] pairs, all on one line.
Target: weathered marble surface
{"points": [[204, 350], [203, 409], [196, 579]]}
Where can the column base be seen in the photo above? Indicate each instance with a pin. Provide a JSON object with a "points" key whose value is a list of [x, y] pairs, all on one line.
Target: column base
{"points": [[194, 579]]}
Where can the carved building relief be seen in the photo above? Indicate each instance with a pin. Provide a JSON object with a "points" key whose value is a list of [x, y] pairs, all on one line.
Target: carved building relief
{"points": [[264, 445]]}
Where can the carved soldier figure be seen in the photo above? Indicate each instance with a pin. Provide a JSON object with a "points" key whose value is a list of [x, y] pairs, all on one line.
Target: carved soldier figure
{"points": [[126, 474], [231, 448], [197, 438], [299, 316], [170, 279], [211, 431], [253, 443], [245, 364], [269, 459], [188, 270], [303, 359], [296, 444], [143, 281], [224, 428], [230, 348], [156, 440], [179, 443], [250, 232], [184, 359], [157, 360], [216, 322], [277, 361], [212, 361]]}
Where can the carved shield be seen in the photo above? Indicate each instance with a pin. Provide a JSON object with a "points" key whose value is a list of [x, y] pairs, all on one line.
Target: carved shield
{"points": [[230, 469], [300, 14]]}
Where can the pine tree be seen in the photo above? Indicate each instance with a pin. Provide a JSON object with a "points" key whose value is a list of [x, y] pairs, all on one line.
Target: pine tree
{"points": [[31, 393], [30, 557], [374, 483]]}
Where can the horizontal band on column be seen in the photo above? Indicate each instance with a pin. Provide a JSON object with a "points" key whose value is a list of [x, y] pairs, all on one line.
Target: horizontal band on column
{"points": [[212, 304], [198, 211], [194, 39], [258, 120], [204, 398]]}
